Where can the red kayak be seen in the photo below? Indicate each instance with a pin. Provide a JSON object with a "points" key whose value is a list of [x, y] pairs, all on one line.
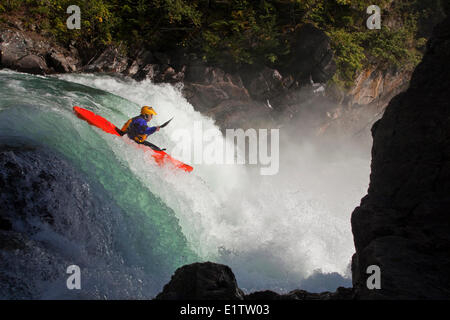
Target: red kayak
{"points": [[160, 157]]}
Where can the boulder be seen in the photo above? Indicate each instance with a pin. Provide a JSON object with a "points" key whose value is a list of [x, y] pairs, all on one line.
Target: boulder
{"points": [[32, 64], [13, 47], [169, 75], [202, 281], [148, 72], [111, 60], [59, 63], [29, 52], [206, 87], [142, 59], [204, 97]]}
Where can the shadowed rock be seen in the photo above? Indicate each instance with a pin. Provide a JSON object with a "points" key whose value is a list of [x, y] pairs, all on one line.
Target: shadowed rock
{"points": [[202, 281], [112, 59], [29, 52], [312, 56]]}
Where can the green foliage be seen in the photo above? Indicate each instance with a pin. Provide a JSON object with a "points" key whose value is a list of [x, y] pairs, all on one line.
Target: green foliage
{"points": [[248, 34], [8, 5], [234, 33], [349, 53], [391, 47]]}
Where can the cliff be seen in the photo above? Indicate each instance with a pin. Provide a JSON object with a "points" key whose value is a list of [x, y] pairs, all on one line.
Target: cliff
{"points": [[403, 223]]}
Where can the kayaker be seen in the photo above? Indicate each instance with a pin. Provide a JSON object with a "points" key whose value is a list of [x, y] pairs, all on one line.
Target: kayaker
{"points": [[137, 129]]}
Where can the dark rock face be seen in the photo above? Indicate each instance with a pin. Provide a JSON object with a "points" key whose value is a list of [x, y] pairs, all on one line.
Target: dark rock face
{"points": [[15, 53], [224, 97], [111, 60], [59, 63], [267, 84], [150, 71], [403, 224], [202, 281], [206, 87], [340, 294], [157, 67], [28, 52], [312, 57], [32, 64], [5, 224]]}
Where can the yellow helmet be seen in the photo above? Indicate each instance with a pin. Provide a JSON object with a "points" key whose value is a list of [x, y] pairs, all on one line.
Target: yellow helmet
{"points": [[146, 110]]}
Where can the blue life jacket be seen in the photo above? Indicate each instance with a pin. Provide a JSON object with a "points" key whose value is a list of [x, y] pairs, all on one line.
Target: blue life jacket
{"points": [[137, 129]]}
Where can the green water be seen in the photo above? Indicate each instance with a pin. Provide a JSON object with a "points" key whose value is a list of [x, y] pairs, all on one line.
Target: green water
{"points": [[39, 110]]}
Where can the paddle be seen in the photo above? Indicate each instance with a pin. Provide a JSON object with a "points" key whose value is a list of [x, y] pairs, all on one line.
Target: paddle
{"points": [[154, 147], [165, 123], [151, 145]]}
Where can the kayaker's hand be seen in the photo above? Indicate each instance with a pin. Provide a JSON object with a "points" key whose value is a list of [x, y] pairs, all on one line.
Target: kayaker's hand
{"points": [[157, 128]]}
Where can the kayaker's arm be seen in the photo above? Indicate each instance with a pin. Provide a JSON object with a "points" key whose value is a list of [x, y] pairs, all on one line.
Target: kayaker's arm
{"points": [[151, 130]]}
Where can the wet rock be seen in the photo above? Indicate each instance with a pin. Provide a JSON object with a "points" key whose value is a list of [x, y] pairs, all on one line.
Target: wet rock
{"points": [[202, 281], [59, 63], [142, 59], [32, 64], [403, 224], [31, 53], [169, 75], [206, 87], [111, 60], [13, 47], [266, 84], [149, 72], [155, 67], [132, 69]]}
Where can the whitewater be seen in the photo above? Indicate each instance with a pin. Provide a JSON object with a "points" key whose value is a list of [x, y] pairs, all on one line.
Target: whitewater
{"points": [[282, 232]]}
